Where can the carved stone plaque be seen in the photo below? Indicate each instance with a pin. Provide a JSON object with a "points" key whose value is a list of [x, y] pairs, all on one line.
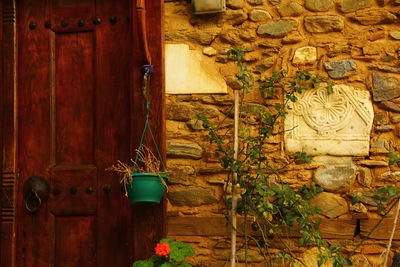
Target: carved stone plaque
{"points": [[330, 124]]}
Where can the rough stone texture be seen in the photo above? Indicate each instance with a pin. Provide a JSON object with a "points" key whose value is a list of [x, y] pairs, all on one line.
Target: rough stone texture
{"points": [[265, 65], [276, 29], [235, 4], [360, 260], [292, 9], [347, 6], [390, 176], [195, 125], [209, 51], [364, 176], [253, 255], [251, 108], [292, 38], [385, 68], [220, 100], [339, 38], [320, 24], [191, 196], [181, 174], [318, 5], [335, 178], [275, 2], [310, 258], [381, 118], [202, 37], [330, 204], [259, 15], [235, 17], [373, 163], [308, 129], [359, 208], [395, 119], [374, 16], [179, 112], [305, 55], [255, 2], [395, 35], [384, 128], [208, 112], [340, 69], [211, 170], [365, 196], [390, 106], [385, 88], [231, 36], [184, 150], [380, 146], [233, 83]]}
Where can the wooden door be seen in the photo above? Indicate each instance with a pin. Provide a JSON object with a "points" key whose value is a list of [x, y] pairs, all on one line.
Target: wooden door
{"points": [[80, 109]]}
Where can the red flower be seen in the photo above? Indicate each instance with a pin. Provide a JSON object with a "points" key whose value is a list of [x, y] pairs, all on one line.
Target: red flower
{"points": [[162, 249]]}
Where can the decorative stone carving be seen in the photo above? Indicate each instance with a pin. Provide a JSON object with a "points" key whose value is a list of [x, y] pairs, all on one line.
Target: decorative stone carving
{"points": [[334, 124]]}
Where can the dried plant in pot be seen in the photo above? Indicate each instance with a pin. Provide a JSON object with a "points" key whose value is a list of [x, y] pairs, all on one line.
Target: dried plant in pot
{"points": [[144, 180]]}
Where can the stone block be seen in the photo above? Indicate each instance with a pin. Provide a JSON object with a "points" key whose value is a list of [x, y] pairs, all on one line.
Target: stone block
{"points": [[364, 176], [305, 55], [330, 124], [181, 174], [331, 205], [335, 178], [259, 15], [255, 2], [191, 196], [235, 4], [190, 72], [380, 146], [340, 69], [389, 106], [292, 9], [384, 88], [318, 5], [373, 163], [184, 150], [209, 51], [235, 17], [179, 112], [395, 35], [276, 29], [374, 17], [320, 24], [347, 6]]}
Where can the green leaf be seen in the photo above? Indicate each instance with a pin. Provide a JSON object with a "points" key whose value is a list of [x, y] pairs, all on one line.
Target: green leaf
{"points": [[355, 200], [142, 264], [347, 261]]}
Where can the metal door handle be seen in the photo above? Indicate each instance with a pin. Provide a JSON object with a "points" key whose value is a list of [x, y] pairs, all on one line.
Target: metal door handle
{"points": [[36, 190]]}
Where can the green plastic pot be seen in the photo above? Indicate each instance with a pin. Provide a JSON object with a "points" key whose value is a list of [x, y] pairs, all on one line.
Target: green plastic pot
{"points": [[146, 188]]}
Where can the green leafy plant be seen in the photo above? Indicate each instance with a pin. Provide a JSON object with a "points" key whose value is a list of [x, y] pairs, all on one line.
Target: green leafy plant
{"points": [[394, 158], [168, 253], [274, 207]]}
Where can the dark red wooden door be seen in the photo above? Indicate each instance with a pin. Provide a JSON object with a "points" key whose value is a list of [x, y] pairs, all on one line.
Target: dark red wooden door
{"points": [[75, 102]]}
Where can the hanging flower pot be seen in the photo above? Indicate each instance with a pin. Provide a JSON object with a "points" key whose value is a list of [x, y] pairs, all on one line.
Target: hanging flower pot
{"points": [[146, 188], [145, 180]]}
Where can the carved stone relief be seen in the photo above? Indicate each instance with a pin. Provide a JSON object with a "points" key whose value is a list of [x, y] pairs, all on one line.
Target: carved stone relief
{"points": [[339, 123]]}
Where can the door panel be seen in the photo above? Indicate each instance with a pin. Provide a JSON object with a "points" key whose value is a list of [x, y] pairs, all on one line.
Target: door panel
{"points": [[80, 110]]}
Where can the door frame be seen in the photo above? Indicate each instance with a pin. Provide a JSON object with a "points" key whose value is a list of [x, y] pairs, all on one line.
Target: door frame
{"points": [[149, 222]]}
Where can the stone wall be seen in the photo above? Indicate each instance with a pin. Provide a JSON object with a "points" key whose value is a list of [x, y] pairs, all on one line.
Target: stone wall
{"points": [[354, 42]]}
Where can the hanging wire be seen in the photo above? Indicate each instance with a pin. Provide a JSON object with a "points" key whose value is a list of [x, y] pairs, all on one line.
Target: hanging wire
{"points": [[147, 70]]}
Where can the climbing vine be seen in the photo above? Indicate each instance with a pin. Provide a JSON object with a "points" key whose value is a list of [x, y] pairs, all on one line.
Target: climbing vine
{"points": [[270, 207]]}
